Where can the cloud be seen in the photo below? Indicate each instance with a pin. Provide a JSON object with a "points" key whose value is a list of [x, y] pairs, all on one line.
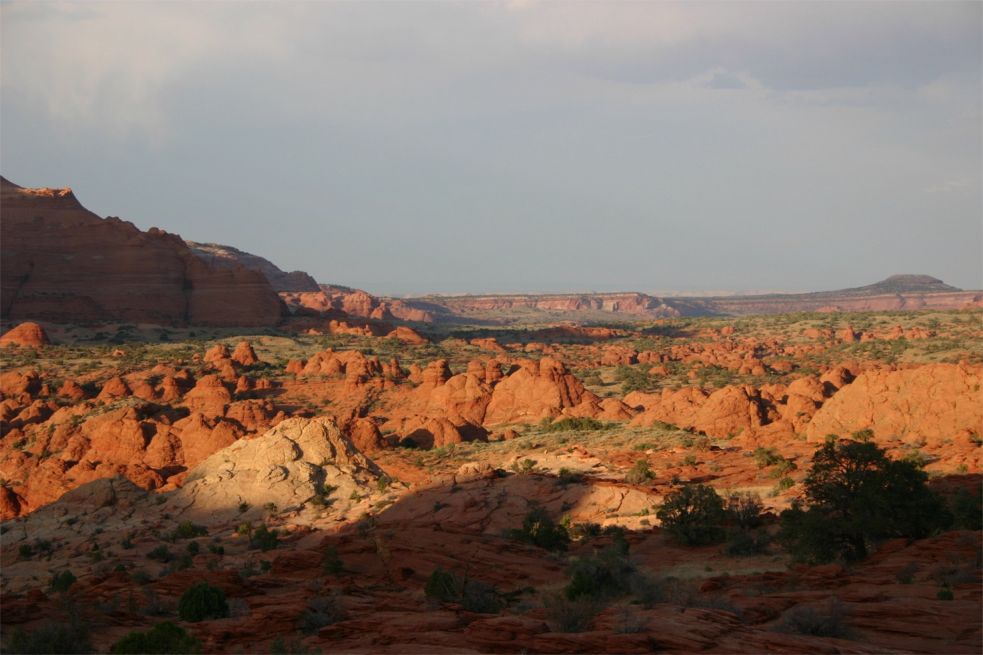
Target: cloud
{"points": [[112, 65]]}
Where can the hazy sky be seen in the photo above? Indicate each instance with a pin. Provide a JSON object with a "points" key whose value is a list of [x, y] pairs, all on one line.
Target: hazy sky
{"points": [[523, 146]]}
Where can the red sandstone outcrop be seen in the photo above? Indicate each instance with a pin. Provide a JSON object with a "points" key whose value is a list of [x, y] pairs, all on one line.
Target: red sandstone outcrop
{"points": [[408, 336], [535, 391], [244, 354], [63, 263], [932, 402], [26, 335]]}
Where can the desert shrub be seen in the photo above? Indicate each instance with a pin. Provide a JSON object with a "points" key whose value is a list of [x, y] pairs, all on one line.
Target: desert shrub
{"points": [[539, 530], [575, 424], [441, 585], [331, 562], [907, 574], [606, 574], [525, 466], [765, 457], [744, 509], [164, 638], [566, 477], [635, 378], [62, 581], [857, 496], [584, 530], [474, 595], [828, 621], [694, 515], [50, 638], [967, 510], [568, 615], [26, 551], [161, 553], [640, 473], [188, 530], [263, 539], [281, 646], [744, 543], [320, 611], [945, 593], [648, 590], [201, 602]]}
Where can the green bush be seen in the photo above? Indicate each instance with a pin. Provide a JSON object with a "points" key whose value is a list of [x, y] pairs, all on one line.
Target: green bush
{"points": [[577, 424], [263, 539], [744, 509], [331, 562], [765, 457], [829, 621], [967, 511], [539, 530], [188, 530], [201, 602], [857, 496], [164, 639], [606, 574], [694, 515], [50, 638], [568, 615], [474, 595], [640, 473], [320, 611], [161, 553], [744, 543], [62, 581], [566, 477]]}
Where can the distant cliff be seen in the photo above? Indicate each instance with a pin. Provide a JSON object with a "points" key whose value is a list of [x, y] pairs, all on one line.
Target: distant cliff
{"points": [[229, 257], [62, 263]]}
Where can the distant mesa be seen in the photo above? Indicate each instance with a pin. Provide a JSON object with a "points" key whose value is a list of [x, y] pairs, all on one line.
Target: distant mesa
{"points": [[63, 263], [902, 284]]}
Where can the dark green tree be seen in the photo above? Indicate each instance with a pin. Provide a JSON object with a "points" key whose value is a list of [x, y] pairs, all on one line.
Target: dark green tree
{"points": [[855, 496], [694, 515]]}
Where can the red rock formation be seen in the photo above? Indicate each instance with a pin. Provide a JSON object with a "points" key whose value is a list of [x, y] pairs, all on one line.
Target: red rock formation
{"points": [[244, 354], [209, 396], [63, 263], [27, 335], [114, 388], [408, 336], [932, 402], [533, 392]]}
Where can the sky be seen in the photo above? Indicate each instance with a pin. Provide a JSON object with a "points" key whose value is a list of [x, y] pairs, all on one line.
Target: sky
{"points": [[453, 147]]}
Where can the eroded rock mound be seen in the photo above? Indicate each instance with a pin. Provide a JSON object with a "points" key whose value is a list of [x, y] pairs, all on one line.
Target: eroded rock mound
{"points": [[287, 466], [535, 391], [26, 335]]}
